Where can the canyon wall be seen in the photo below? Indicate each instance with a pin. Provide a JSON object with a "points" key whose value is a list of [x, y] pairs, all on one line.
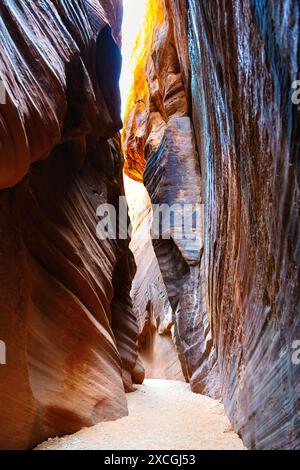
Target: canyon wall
{"points": [[211, 119], [160, 149], [244, 58], [156, 338], [66, 318]]}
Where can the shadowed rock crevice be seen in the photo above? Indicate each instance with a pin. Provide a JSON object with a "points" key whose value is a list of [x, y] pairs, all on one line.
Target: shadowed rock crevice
{"points": [[159, 142]]}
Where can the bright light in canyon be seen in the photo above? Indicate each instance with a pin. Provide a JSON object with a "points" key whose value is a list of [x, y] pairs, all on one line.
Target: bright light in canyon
{"points": [[134, 14]]}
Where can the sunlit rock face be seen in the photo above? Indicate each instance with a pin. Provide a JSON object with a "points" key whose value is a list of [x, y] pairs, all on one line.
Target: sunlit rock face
{"points": [[160, 148], [228, 68], [66, 314]]}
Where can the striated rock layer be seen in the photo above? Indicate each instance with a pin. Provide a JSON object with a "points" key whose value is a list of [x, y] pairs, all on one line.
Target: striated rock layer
{"points": [[66, 318], [160, 147], [218, 77], [244, 58], [155, 318]]}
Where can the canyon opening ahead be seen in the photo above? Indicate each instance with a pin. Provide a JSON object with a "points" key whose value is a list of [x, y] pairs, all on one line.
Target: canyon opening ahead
{"points": [[150, 225]]}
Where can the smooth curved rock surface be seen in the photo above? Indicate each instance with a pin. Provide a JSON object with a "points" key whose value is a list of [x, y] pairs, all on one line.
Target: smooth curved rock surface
{"points": [[43, 49], [67, 317]]}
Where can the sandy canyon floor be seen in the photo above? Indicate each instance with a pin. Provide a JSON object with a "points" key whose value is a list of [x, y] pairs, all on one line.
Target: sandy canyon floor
{"points": [[163, 415]]}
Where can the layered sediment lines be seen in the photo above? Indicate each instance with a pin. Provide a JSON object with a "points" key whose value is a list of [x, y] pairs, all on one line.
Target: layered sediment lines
{"points": [[156, 340], [66, 318], [160, 149], [215, 123], [248, 134]]}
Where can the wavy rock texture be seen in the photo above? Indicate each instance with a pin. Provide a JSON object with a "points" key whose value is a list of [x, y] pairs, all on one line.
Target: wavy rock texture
{"points": [[244, 57], [66, 317], [156, 341], [230, 68], [180, 258], [159, 146]]}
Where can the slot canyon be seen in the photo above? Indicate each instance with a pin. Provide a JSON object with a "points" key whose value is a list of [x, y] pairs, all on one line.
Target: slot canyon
{"points": [[211, 121]]}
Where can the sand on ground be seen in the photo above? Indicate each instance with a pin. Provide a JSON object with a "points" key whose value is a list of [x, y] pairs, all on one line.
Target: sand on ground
{"points": [[163, 415]]}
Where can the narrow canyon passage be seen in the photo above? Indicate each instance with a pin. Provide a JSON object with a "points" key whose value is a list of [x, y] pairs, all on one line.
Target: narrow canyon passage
{"points": [[163, 414], [150, 246]]}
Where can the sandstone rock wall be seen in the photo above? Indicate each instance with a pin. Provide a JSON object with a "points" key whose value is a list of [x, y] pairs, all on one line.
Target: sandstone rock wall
{"points": [[160, 148], [225, 70], [244, 58], [156, 341], [66, 315]]}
